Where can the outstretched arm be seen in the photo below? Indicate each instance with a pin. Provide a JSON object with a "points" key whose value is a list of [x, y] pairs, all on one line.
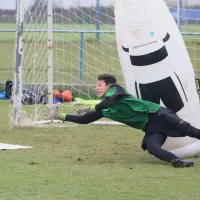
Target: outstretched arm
{"points": [[83, 119], [51, 112]]}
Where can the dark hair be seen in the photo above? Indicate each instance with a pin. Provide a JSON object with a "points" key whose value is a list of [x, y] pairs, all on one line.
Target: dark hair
{"points": [[107, 78]]}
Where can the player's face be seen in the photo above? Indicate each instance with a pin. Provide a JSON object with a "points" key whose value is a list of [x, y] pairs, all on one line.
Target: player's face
{"points": [[102, 88]]}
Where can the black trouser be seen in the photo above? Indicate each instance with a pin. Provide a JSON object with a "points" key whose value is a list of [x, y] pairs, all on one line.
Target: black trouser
{"points": [[165, 123]]}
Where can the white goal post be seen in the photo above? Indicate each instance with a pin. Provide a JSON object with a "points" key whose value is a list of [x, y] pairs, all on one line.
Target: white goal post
{"points": [[64, 45]]}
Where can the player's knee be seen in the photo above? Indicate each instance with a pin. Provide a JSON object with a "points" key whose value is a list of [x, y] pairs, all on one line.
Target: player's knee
{"points": [[152, 149]]}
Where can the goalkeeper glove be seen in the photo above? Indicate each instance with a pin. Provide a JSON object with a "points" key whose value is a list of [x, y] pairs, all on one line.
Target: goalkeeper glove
{"points": [[85, 109], [51, 112]]}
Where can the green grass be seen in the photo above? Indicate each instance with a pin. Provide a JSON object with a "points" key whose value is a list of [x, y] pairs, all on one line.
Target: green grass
{"points": [[88, 162]]}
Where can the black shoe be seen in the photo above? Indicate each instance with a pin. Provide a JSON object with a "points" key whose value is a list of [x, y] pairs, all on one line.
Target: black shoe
{"points": [[182, 163]]}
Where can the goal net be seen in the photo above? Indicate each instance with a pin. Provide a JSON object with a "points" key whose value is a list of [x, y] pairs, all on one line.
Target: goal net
{"points": [[62, 46], [65, 52]]}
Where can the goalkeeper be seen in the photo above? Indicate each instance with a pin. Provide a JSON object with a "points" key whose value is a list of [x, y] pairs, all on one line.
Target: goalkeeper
{"points": [[157, 122]]}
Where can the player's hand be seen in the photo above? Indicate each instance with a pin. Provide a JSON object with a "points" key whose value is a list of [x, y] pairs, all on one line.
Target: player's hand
{"points": [[51, 112], [83, 110]]}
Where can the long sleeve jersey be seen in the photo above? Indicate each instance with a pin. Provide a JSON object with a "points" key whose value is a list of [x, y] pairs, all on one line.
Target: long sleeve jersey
{"points": [[120, 106]]}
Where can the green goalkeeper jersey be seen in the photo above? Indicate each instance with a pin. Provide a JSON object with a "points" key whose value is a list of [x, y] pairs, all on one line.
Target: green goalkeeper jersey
{"points": [[123, 107]]}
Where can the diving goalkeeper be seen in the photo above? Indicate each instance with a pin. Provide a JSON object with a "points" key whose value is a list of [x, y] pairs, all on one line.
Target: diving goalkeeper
{"points": [[157, 122]]}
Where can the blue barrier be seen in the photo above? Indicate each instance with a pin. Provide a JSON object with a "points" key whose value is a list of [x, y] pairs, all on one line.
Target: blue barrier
{"points": [[186, 15]]}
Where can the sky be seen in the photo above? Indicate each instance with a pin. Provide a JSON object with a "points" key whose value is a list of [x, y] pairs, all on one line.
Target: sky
{"points": [[10, 4], [7, 4]]}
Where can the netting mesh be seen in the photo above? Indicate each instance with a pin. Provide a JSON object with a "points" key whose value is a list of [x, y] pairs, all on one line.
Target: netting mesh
{"points": [[189, 24]]}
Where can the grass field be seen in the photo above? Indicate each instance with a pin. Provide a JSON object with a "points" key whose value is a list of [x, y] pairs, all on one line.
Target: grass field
{"points": [[86, 162]]}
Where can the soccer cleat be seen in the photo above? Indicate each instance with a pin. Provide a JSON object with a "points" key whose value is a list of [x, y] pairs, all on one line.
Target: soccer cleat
{"points": [[178, 163]]}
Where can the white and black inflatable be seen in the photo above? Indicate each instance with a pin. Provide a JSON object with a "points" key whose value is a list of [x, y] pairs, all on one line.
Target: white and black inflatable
{"points": [[156, 64]]}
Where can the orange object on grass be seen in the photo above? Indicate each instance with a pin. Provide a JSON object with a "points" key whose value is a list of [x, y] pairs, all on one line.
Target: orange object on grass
{"points": [[67, 95], [57, 93]]}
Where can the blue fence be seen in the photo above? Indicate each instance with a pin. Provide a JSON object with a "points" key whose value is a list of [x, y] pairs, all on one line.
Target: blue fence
{"points": [[186, 15]]}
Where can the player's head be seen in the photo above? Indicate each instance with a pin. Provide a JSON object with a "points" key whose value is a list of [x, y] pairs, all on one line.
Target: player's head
{"points": [[103, 83]]}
